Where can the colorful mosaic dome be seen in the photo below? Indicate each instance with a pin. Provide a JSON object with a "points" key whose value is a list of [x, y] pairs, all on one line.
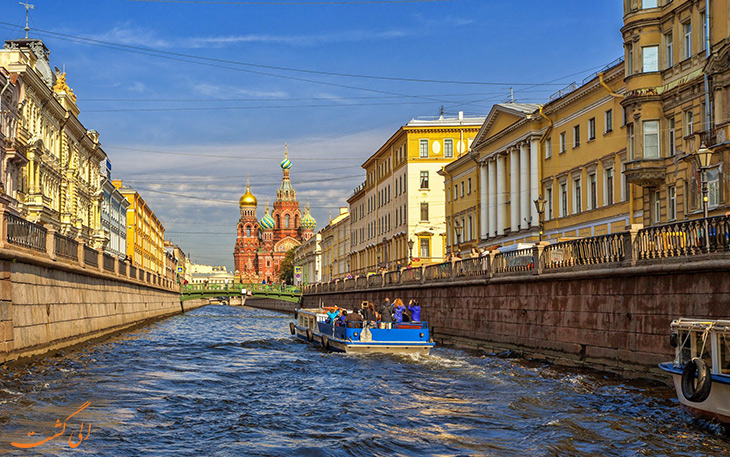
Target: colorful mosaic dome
{"points": [[267, 222], [308, 222], [286, 164]]}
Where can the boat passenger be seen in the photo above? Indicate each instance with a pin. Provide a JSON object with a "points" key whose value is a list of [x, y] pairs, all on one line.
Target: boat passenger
{"points": [[398, 309], [415, 310], [332, 315], [353, 320], [370, 314], [342, 319], [386, 314]]}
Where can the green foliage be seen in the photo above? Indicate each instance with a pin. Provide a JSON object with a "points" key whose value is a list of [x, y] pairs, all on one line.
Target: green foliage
{"points": [[286, 269]]}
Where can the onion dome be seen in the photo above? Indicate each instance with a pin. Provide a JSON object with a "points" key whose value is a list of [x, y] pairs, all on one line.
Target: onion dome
{"points": [[308, 222], [286, 163], [267, 222], [247, 199]]}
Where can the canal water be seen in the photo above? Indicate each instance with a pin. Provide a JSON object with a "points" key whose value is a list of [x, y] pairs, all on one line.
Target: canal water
{"points": [[225, 381]]}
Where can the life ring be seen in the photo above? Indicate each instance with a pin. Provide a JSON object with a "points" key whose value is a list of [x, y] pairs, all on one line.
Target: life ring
{"points": [[325, 342], [292, 329], [310, 337], [699, 391]]}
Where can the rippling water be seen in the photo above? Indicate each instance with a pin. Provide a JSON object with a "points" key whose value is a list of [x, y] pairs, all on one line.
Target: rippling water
{"points": [[224, 381]]}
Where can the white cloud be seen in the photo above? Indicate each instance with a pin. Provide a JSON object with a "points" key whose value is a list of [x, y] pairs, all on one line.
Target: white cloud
{"points": [[297, 40]]}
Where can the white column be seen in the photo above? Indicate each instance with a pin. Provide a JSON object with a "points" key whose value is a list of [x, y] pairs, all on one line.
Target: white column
{"points": [[483, 202], [534, 178], [514, 190], [492, 197], [525, 203], [501, 194]]}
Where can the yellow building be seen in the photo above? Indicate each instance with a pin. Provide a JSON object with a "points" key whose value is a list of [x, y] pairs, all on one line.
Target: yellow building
{"points": [[402, 197], [335, 246], [308, 256], [54, 168], [145, 233], [677, 98]]}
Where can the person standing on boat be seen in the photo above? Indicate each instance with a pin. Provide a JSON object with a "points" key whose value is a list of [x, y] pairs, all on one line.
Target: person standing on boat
{"points": [[386, 313], [332, 315], [415, 310], [398, 309]]}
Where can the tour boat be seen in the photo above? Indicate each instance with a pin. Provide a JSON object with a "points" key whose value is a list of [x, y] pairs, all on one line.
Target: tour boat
{"points": [[398, 337], [701, 367]]}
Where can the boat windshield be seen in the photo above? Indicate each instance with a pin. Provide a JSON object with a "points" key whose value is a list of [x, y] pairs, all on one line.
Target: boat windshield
{"points": [[723, 341], [695, 343]]}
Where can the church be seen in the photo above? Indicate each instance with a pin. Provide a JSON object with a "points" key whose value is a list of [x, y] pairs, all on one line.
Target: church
{"points": [[261, 245]]}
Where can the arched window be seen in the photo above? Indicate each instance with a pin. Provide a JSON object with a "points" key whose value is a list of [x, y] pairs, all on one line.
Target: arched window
{"points": [[287, 221], [296, 221], [248, 230], [278, 221]]}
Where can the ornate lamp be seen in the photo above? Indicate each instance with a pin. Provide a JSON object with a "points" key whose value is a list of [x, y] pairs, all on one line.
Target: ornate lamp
{"points": [[540, 206], [458, 228], [410, 250], [704, 156]]}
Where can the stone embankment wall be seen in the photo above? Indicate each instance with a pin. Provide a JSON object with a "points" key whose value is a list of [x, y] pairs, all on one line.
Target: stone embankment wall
{"points": [[271, 304], [616, 319], [49, 304]]}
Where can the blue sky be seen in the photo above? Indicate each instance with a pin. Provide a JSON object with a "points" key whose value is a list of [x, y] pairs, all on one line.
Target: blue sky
{"points": [[185, 131]]}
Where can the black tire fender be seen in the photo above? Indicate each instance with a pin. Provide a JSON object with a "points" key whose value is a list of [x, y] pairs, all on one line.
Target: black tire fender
{"points": [[310, 337], [699, 391], [292, 329], [325, 342]]}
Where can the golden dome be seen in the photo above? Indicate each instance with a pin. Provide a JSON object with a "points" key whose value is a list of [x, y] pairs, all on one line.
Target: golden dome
{"points": [[247, 199]]}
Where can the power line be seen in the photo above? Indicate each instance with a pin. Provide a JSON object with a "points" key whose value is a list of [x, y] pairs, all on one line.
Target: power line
{"points": [[353, 2]]}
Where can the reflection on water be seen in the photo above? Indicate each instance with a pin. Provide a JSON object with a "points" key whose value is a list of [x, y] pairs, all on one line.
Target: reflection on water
{"points": [[225, 381]]}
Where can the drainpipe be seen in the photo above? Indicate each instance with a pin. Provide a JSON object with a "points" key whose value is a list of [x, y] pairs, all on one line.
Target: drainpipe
{"points": [[478, 206], [605, 86], [451, 211], [542, 154], [708, 52]]}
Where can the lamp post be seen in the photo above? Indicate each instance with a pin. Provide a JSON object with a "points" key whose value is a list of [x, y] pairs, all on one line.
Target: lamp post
{"points": [[331, 268], [385, 252], [540, 205], [410, 251], [704, 156], [458, 228]]}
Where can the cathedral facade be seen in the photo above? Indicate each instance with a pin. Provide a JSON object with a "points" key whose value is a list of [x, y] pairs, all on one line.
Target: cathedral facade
{"points": [[261, 245]]}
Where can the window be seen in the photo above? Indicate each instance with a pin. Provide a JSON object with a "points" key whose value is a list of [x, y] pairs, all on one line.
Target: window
{"points": [[456, 192], [650, 58], [689, 123], [286, 221], [424, 211], [549, 201], [672, 138], [470, 235], [576, 136], [592, 128], [704, 32], [656, 206], [248, 231], [425, 247], [608, 121], [672, 203], [548, 148], [713, 187], [424, 179], [592, 197], [468, 186], [630, 139], [577, 204], [624, 116], [462, 190], [563, 142], [423, 149], [651, 139], [629, 60], [448, 148], [669, 49], [625, 184], [687, 32], [563, 200], [609, 186], [648, 4]]}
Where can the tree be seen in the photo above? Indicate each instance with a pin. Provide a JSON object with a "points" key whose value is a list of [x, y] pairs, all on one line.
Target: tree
{"points": [[286, 268]]}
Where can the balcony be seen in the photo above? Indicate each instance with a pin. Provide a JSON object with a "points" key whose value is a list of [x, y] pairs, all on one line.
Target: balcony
{"points": [[645, 172]]}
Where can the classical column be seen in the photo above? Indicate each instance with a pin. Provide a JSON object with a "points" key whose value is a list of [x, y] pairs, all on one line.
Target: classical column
{"points": [[514, 190], [483, 202], [525, 203], [534, 178], [501, 194], [492, 197]]}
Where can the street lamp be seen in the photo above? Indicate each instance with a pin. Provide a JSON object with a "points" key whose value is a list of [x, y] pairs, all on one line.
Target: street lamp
{"points": [[704, 156], [458, 228], [410, 251], [540, 205], [331, 268], [385, 252]]}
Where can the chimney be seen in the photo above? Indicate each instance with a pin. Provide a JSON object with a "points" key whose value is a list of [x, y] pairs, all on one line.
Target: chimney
{"points": [[461, 115]]}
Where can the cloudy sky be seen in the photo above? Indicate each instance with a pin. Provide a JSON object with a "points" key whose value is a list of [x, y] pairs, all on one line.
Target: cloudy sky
{"points": [[190, 96]]}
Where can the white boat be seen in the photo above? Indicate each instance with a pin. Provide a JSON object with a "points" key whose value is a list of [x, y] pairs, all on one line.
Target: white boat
{"points": [[313, 326], [701, 367]]}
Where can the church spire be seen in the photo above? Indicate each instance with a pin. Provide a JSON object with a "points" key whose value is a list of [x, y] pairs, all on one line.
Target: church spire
{"points": [[286, 192]]}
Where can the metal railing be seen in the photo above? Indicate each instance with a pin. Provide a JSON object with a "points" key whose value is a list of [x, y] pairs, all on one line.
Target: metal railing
{"points": [[392, 277], [122, 267], [683, 238], [66, 247], [438, 271], [375, 280], [91, 256], [411, 275], [132, 271], [25, 233], [585, 251], [476, 266], [514, 261], [109, 262]]}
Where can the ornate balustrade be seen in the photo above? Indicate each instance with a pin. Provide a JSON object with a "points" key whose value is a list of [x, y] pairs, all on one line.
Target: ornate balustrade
{"points": [[514, 261], [66, 247], [466, 268], [109, 262], [411, 275], [438, 271], [683, 238], [392, 277], [25, 233], [91, 256], [595, 250]]}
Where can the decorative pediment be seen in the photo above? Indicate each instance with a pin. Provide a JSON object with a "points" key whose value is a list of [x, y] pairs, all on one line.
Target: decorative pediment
{"points": [[501, 117]]}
